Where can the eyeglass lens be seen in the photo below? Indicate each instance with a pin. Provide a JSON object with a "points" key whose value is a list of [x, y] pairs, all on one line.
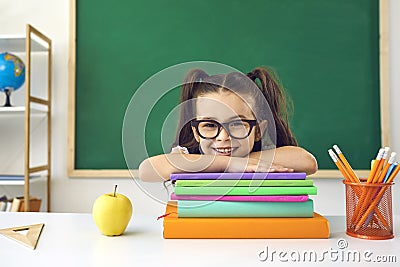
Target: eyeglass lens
{"points": [[236, 129]]}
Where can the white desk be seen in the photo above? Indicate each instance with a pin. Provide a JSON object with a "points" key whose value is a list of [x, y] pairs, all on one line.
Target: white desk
{"points": [[74, 240]]}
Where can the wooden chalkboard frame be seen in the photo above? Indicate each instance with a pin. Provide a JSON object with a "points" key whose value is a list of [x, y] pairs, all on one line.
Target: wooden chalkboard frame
{"points": [[91, 173]]}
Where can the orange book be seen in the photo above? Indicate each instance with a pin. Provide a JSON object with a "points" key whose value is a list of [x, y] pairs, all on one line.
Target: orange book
{"points": [[174, 227]]}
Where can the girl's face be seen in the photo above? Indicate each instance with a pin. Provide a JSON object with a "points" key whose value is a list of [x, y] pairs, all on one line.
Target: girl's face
{"points": [[224, 107]]}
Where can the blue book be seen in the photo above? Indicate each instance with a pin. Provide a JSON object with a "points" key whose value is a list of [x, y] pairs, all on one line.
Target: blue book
{"points": [[195, 209]]}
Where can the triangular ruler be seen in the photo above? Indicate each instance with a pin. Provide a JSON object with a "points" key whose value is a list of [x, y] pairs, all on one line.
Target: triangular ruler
{"points": [[29, 239]]}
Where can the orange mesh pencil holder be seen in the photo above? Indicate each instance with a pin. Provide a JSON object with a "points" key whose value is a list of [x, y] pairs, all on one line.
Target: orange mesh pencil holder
{"points": [[369, 210]]}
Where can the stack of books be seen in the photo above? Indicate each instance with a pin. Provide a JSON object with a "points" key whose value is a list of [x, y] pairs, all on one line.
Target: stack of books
{"points": [[243, 205]]}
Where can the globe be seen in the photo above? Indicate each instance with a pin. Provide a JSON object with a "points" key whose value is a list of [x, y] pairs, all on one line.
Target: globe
{"points": [[12, 74]]}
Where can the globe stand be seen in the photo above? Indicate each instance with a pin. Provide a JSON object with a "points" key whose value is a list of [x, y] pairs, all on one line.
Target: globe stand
{"points": [[8, 97]]}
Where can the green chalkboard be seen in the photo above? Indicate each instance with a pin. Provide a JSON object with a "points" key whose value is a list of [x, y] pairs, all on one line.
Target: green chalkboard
{"points": [[325, 52]]}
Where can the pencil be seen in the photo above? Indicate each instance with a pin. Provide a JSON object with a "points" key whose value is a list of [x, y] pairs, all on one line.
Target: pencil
{"points": [[384, 173], [370, 192], [375, 165], [346, 163], [339, 165], [387, 166], [347, 177], [380, 165], [361, 200]]}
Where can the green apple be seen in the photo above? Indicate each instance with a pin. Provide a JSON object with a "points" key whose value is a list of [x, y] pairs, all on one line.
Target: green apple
{"points": [[112, 213]]}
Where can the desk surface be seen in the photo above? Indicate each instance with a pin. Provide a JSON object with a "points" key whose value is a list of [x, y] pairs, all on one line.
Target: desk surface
{"points": [[73, 240]]}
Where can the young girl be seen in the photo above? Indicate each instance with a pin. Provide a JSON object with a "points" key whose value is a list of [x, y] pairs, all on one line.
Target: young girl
{"points": [[231, 123]]}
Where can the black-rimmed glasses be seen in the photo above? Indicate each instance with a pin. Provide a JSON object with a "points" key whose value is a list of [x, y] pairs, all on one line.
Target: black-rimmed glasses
{"points": [[210, 129]]}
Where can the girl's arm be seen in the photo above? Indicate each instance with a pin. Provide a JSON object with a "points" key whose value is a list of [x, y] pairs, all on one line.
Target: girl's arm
{"points": [[287, 158], [159, 168], [292, 157]]}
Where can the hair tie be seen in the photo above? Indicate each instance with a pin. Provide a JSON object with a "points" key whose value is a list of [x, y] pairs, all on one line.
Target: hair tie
{"points": [[251, 76]]}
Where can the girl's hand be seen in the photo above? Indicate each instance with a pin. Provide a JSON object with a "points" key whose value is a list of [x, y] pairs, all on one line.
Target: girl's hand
{"points": [[279, 168], [237, 164], [296, 158]]}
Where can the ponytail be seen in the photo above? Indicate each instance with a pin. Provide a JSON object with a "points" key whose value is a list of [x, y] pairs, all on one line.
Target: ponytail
{"points": [[273, 92], [184, 136], [192, 79]]}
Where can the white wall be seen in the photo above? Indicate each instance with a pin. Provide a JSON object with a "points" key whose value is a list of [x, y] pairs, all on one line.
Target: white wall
{"points": [[77, 195]]}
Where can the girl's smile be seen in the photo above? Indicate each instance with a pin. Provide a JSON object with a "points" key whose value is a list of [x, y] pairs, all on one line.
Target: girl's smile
{"points": [[224, 151]]}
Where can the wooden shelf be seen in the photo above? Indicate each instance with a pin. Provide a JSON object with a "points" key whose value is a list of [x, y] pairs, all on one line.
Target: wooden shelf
{"points": [[19, 179], [16, 44], [21, 110], [33, 42]]}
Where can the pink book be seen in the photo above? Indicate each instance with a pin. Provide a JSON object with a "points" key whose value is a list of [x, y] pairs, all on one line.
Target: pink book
{"points": [[301, 198]]}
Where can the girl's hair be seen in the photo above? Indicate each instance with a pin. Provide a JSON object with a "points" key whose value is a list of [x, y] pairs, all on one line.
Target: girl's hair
{"points": [[197, 83]]}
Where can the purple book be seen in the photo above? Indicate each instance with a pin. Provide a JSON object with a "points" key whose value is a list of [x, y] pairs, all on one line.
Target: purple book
{"points": [[301, 198], [238, 176]]}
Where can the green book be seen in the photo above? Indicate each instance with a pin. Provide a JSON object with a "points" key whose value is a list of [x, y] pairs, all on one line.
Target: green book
{"points": [[244, 183], [195, 209], [245, 191]]}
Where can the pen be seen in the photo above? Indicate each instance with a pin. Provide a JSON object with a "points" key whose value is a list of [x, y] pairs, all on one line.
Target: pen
{"points": [[394, 165]]}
